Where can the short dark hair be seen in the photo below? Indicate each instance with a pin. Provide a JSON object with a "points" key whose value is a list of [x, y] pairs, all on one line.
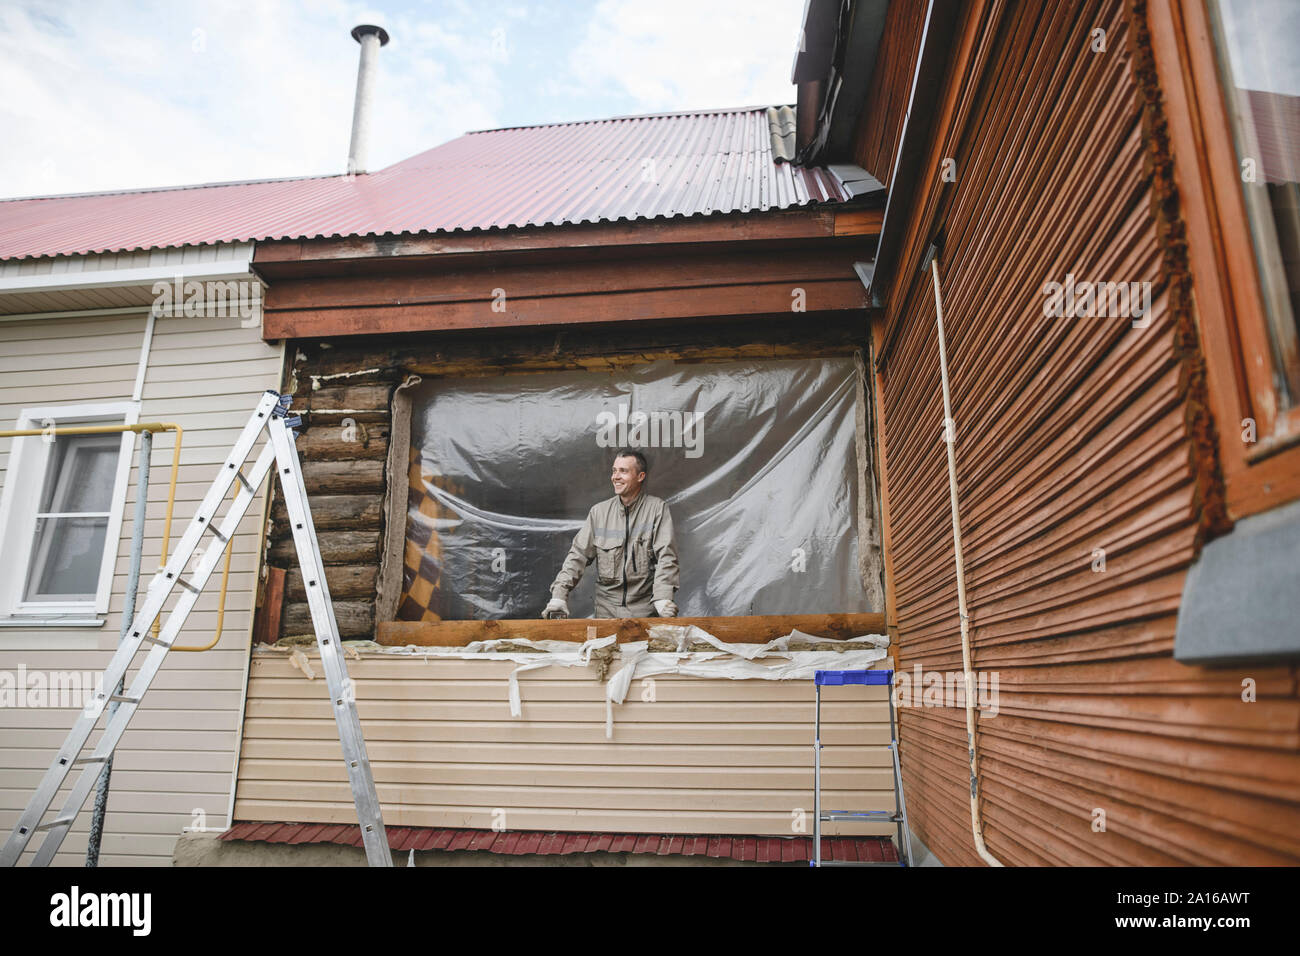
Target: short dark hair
{"points": [[641, 463]]}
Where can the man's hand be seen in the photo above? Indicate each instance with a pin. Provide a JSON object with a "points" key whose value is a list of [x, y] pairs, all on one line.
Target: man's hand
{"points": [[665, 608], [556, 608]]}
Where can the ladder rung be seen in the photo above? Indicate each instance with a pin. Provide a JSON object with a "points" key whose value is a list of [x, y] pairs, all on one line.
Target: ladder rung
{"points": [[244, 481], [61, 821], [187, 586], [124, 699], [95, 758], [155, 640], [220, 537], [889, 815], [857, 863]]}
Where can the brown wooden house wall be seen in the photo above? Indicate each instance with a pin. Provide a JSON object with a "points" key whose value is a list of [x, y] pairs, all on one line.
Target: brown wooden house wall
{"points": [[875, 146], [1072, 436]]}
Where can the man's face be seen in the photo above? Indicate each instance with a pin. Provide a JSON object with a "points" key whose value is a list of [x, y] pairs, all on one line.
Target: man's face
{"points": [[627, 476]]}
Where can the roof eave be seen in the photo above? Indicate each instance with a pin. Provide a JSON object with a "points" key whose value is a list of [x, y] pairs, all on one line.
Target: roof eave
{"points": [[937, 39], [844, 76]]}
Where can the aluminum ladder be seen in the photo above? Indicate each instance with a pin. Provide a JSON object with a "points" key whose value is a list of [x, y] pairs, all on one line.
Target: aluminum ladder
{"points": [[270, 416], [870, 678]]}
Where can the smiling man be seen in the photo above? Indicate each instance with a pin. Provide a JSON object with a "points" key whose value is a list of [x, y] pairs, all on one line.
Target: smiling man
{"points": [[630, 537]]}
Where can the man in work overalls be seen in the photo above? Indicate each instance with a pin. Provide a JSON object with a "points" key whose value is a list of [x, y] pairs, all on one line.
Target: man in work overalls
{"points": [[630, 537]]}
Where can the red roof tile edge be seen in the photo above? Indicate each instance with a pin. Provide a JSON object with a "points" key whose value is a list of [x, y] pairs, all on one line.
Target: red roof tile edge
{"points": [[547, 843]]}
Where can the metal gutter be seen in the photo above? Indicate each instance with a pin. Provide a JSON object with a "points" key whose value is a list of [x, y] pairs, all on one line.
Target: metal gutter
{"points": [[117, 278]]}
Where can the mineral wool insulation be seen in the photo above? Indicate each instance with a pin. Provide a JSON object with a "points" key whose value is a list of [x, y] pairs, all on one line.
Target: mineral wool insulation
{"points": [[672, 649], [756, 460]]}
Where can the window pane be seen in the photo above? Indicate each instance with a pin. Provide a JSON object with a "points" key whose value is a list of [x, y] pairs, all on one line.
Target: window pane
{"points": [[1256, 42], [81, 474], [66, 559]]}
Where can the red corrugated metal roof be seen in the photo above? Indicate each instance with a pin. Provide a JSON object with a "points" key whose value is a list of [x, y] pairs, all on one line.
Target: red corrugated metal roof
{"points": [[641, 167], [519, 843]]}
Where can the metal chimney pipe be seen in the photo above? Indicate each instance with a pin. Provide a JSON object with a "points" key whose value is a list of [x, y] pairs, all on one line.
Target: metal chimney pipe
{"points": [[371, 39]]}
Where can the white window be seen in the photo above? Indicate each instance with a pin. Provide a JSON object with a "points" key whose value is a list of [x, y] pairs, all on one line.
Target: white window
{"points": [[61, 512]]}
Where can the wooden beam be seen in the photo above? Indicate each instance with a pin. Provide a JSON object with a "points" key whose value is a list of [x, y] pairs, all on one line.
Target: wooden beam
{"points": [[267, 630], [757, 629], [474, 282], [858, 222], [732, 300], [806, 223], [350, 581], [336, 547], [491, 352], [345, 512]]}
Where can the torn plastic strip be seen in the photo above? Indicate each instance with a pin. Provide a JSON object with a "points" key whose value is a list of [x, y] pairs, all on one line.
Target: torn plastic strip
{"points": [[639, 662], [580, 659], [735, 661]]}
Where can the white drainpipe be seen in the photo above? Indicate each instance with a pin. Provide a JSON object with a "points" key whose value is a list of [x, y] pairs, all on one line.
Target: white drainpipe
{"points": [[950, 439]]}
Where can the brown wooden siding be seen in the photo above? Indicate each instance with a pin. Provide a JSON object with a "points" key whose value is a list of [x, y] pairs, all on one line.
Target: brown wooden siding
{"points": [[1072, 436], [875, 146]]}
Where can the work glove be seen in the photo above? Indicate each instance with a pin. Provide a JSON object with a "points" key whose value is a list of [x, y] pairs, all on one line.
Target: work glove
{"points": [[665, 608], [556, 608]]}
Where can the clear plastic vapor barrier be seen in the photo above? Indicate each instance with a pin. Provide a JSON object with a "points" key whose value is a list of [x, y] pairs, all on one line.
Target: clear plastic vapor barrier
{"points": [[755, 459]]}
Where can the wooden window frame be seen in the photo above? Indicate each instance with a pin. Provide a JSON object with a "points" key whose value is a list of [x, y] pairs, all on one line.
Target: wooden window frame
{"points": [[1230, 307]]}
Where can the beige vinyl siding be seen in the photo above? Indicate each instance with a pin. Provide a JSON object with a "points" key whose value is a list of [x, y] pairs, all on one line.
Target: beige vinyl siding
{"points": [[705, 756], [177, 758]]}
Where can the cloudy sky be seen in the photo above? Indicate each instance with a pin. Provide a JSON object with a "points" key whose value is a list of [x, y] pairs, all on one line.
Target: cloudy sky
{"points": [[100, 94]]}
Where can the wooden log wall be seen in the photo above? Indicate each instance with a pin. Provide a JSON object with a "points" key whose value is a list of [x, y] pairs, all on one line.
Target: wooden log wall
{"points": [[343, 445], [1078, 441], [747, 629]]}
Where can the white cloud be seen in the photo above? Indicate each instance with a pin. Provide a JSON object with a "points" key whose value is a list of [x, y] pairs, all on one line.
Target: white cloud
{"points": [[97, 100], [683, 54], [164, 92]]}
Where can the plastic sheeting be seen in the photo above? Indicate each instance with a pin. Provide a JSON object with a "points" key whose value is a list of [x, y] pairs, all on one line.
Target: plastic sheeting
{"points": [[755, 460]]}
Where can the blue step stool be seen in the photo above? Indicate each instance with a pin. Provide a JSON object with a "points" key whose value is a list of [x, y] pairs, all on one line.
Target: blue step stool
{"points": [[868, 678]]}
